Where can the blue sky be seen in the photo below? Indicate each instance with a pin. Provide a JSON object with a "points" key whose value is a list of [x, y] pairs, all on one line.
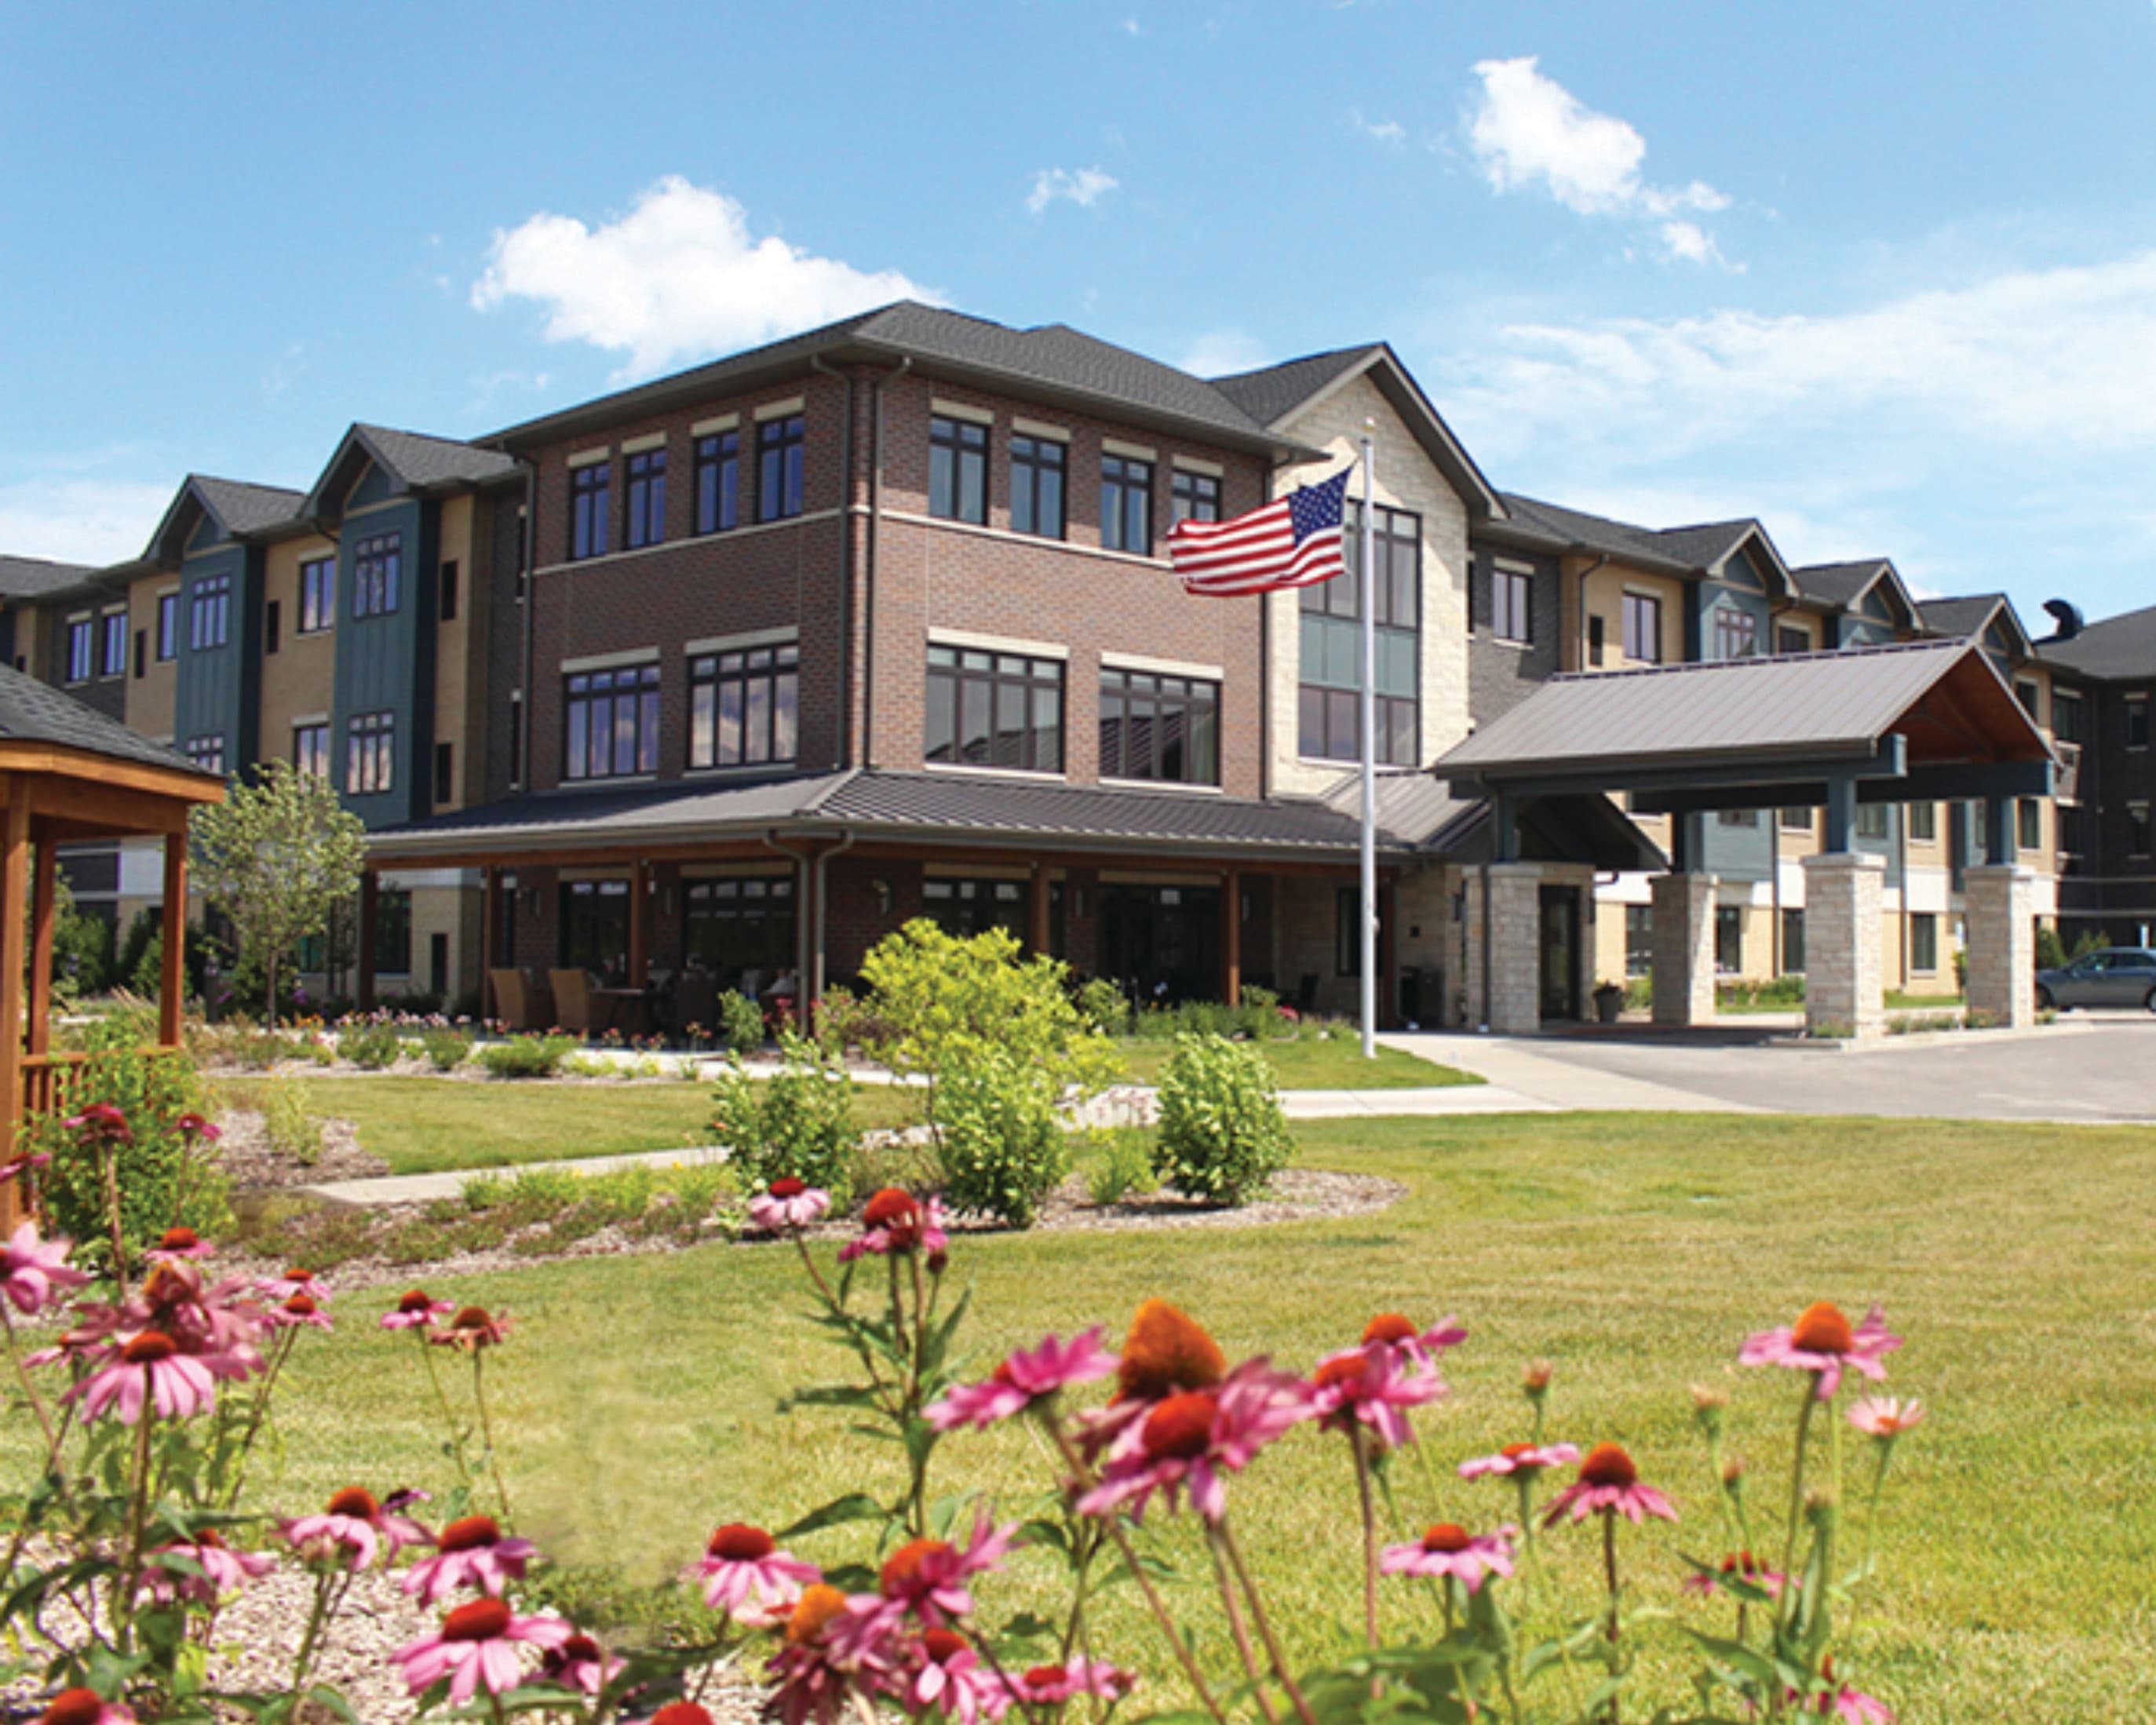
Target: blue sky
{"points": [[1885, 277]]}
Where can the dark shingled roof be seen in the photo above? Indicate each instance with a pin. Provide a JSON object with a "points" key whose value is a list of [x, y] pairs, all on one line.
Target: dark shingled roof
{"points": [[422, 461], [1271, 392], [1561, 529], [2120, 647], [1839, 583], [243, 508], [1706, 544], [1053, 358], [31, 711], [29, 577]]}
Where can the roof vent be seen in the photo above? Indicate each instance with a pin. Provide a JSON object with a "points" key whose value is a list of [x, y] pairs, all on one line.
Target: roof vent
{"points": [[2067, 615]]}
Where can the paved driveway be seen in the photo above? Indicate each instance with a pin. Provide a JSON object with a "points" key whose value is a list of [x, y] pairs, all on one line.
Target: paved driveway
{"points": [[2089, 1067]]}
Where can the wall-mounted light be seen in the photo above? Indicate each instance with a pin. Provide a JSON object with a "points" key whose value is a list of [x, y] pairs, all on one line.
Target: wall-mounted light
{"points": [[883, 896]]}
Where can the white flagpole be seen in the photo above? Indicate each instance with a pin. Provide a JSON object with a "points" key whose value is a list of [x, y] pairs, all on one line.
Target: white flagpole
{"points": [[1369, 599]]}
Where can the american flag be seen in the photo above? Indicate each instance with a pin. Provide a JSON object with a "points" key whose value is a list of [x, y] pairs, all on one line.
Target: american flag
{"points": [[1295, 542]]}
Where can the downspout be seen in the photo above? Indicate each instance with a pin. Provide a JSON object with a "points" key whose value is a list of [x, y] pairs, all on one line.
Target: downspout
{"points": [[823, 919], [1579, 635], [804, 872], [869, 564], [816, 362], [531, 573]]}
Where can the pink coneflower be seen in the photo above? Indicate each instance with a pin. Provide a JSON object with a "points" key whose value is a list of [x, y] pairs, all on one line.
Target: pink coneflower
{"points": [[896, 1222], [470, 1553], [812, 1675], [148, 1369], [1519, 1458], [194, 1125], [16, 1166], [743, 1570], [1609, 1483], [83, 1706], [946, 1678], [294, 1281], [1852, 1705], [178, 1243], [1374, 1384], [1192, 1440], [100, 1123], [1450, 1549], [927, 1578], [222, 1569], [1022, 1379], [31, 1269], [679, 1712], [579, 1663], [1166, 1353], [789, 1205], [473, 1328], [417, 1310], [301, 1309], [1822, 1340], [1885, 1417], [1054, 1685], [479, 1645], [1396, 1331], [1738, 1566], [353, 1522]]}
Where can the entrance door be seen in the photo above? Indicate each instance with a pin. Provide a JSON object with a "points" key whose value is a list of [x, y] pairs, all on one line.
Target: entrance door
{"points": [[1162, 943], [1560, 952]]}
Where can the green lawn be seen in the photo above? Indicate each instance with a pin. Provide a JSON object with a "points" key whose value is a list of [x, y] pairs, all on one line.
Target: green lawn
{"points": [[1334, 1063], [1635, 1251]]}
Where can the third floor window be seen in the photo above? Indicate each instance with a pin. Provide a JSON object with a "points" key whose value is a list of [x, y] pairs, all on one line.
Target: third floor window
{"points": [[780, 447], [1194, 496], [168, 626], [1736, 632], [612, 719], [378, 568], [958, 470], [1329, 702], [745, 706], [209, 612], [317, 595], [718, 482], [1126, 505], [112, 661], [2137, 722], [1511, 604], [590, 528], [1037, 472], [646, 499]]}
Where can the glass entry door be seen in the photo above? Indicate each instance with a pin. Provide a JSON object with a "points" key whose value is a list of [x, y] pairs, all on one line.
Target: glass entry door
{"points": [[1560, 952]]}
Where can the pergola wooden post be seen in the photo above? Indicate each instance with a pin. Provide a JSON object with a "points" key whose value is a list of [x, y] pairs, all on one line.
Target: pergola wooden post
{"points": [[172, 973], [1231, 938]]}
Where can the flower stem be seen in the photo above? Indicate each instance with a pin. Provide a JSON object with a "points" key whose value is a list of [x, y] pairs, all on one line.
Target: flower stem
{"points": [[30, 1392], [1783, 1606], [1265, 1626], [1362, 1447], [123, 1601], [448, 1417], [1609, 1576], [486, 1430], [1237, 1632]]}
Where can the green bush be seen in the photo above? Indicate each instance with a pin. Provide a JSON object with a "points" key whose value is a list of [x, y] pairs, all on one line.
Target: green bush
{"points": [[525, 1056], [800, 1121], [291, 1130], [1223, 1135], [741, 1022], [82, 954], [2050, 950], [160, 1183], [371, 1047], [1104, 1006], [1119, 1164], [1003, 1148], [1258, 1013], [446, 1049]]}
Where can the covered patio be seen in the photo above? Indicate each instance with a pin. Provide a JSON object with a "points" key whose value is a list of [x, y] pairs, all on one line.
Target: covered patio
{"points": [[1924, 721], [68, 774]]}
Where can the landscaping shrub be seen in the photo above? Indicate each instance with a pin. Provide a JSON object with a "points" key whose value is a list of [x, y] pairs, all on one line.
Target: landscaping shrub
{"points": [[1104, 1006], [1002, 1149], [741, 1022], [526, 1056], [371, 1047], [1118, 1165], [82, 954], [291, 1129], [798, 1122], [446, 1049], [1222, 1134], [1258, 1015]]}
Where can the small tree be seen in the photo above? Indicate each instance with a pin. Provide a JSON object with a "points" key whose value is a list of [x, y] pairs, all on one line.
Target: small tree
{"points": [[277, 858]]}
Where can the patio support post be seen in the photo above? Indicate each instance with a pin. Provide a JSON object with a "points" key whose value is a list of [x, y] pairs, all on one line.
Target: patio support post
{"points": [[1843, 893], [489, 908], [14, 870], [1036, 910], [370, 911], [639, 923], [172, 973], [1516, 948], [1998, 850], [1999, 901], [1231, 938], [1683, 956], [42, 895]]}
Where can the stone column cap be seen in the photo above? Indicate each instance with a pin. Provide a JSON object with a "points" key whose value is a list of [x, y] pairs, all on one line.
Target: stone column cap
{"points": [[2003, 872], [1848, 859], [1514, 870]]}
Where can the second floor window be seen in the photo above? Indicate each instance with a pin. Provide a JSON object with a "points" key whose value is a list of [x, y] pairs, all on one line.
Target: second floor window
{"points": [[780, 447], [2029, 823], [590, 529], [718, 482], [209, 612], [317, 595], [378, 568], [1126, 505], [82, 650], [744, 707], [1194, 496], [1511, 604], [1159, 727], [646, 499], [310, 750], [370, 759], [1329, 702], [1037, 469], [1643, 629], [612, 723], [958, 470], [994, 710], [168, 626], [1736, 632]]}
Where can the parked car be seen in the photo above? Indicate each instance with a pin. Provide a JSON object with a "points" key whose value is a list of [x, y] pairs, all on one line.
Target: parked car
{"points": [[2116, 976]]}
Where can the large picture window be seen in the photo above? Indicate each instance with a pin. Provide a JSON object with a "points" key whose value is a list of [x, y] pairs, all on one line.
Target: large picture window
{"points": [[370, 754], [718, 482], [994, 710], [1037, 474], [1329, 716], [377, 567], [1126, 504], [780, 447], [744, 706], [965, 907], [958, 470], [611, 723], [740, 929], [595, 927], [590, 524], [1159, 727], [646, 499], [209, 612]]}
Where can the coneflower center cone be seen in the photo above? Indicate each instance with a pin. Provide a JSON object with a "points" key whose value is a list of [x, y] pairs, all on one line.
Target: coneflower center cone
{"points": [[1608, 1465], [356, 1501], [1168, 1350], [904, 1565], [478, 1620], [1181, 1427], [1389, 1327], [75, 1706], [1446, 1537], [1823, 1329], [737, 1542], [472, 1533], [148, 1348], [942, 1644], [813, 1612]]}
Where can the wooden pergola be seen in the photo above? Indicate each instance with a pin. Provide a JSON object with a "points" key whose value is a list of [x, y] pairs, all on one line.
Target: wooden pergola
{"points": [[67, 775]]}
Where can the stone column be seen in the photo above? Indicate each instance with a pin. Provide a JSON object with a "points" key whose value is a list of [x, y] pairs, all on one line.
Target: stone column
{"points": [[1516, 948], [2001, 903], [1684, 948], [1844, 893]]}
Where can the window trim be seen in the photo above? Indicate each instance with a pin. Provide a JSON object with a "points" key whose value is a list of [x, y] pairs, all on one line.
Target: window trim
{"points": [[644, 498], [643, 682], [782, 437], [317, 582], [958, 447], [590, 510], [708, 671], [962, 675], [377, 576], [717, 452], [1034, 458], [371, 753]]}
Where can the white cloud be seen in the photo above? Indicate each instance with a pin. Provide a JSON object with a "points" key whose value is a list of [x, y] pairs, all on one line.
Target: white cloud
{"points": [[1217, 353], [1083, 186], [1528, 131], [80, 520], [1386, 131], [677, 277], [1132, 27]]}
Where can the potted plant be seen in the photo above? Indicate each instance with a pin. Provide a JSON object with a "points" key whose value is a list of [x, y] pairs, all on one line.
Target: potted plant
{"points": [[1609, 1002]]}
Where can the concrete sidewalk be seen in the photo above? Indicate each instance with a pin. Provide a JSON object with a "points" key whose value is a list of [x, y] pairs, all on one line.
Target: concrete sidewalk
{"points": [[1537, 1071]]}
